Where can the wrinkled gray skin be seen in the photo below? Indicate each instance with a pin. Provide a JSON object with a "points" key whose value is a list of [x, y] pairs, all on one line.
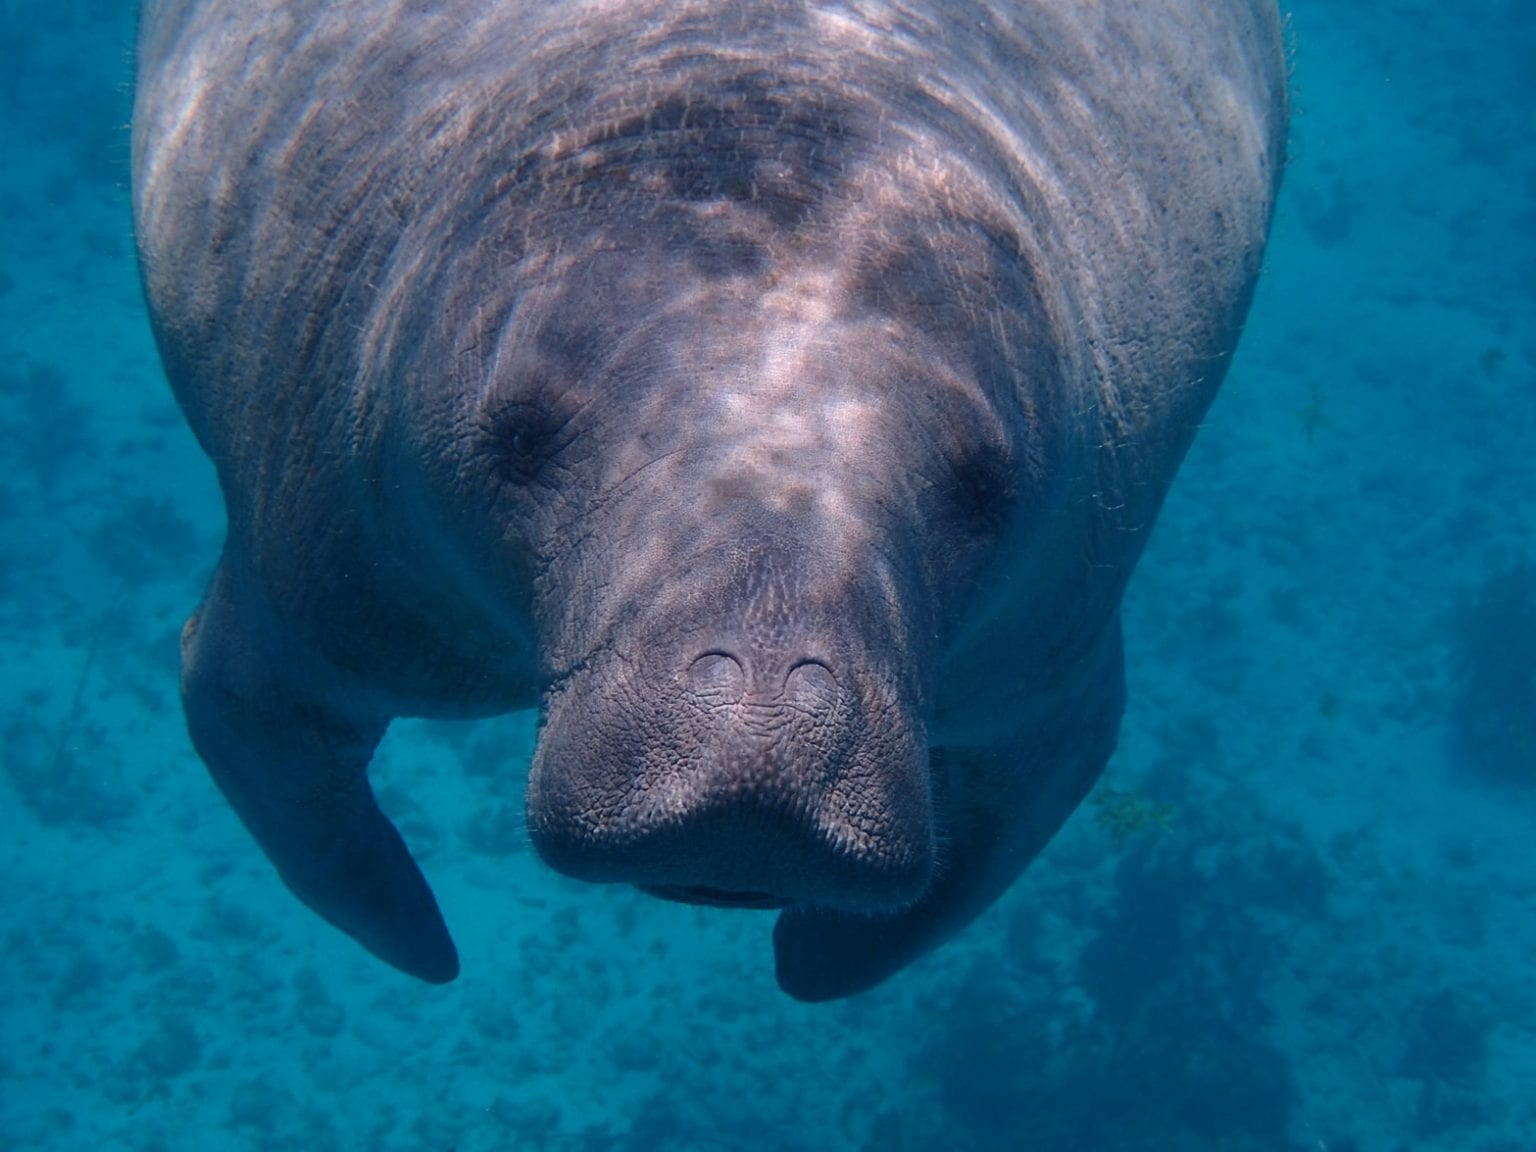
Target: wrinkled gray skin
{"points": [[777, 395]]}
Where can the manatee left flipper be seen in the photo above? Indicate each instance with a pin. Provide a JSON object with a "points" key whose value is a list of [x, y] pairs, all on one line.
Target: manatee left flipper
{"points": [[822, 954], [293, 765], [1001, 806]]}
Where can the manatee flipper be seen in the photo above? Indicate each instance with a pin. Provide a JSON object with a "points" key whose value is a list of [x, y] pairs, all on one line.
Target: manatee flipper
{"points": [[294, 768], [1003, 805]]}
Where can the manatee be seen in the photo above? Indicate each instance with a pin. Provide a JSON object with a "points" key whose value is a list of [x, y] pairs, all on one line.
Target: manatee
{"points": [[776, 395]]}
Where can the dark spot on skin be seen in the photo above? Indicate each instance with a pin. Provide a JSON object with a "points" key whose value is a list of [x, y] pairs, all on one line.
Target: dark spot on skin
{"points": [[717, 245], [943, 274], [755, 140], [732, 489], [566, 340], [518, 179], [728, 256], [907, 279]]}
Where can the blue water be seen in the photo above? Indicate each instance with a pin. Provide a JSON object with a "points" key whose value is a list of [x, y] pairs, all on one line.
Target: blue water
{"points": [[1331, 945]]}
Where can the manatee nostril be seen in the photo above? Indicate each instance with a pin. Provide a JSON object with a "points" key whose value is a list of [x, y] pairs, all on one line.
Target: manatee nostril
{"points": [[717, 677], [811, 682]]}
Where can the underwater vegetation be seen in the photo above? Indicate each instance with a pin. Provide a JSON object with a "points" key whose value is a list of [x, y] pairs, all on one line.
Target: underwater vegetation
{"points": [[1125, 814], [1493, 714], [1162, 1037], [47, 430]]}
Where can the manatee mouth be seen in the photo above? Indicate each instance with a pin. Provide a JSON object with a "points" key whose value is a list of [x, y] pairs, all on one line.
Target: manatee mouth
{"points": [[715, 897]]}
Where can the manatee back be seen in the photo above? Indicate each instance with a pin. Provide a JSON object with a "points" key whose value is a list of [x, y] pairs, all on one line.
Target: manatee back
{"points": [[294, 162]]}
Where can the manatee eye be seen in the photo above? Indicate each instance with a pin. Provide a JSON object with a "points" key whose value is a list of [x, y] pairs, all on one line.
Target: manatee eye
{"points": [[524, 435], [522, 441], [515, 438], [983, 490]]}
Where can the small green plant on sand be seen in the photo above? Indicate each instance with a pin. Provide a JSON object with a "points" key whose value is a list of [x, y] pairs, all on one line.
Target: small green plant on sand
{"points": [[1124, 814], [1312, 414]]}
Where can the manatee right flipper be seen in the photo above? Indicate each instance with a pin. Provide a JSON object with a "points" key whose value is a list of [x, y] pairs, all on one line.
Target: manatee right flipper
{"points": [[294, 767]]}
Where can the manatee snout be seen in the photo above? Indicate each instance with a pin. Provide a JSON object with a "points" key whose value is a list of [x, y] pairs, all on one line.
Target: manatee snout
{"points": [[758, 765]]}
